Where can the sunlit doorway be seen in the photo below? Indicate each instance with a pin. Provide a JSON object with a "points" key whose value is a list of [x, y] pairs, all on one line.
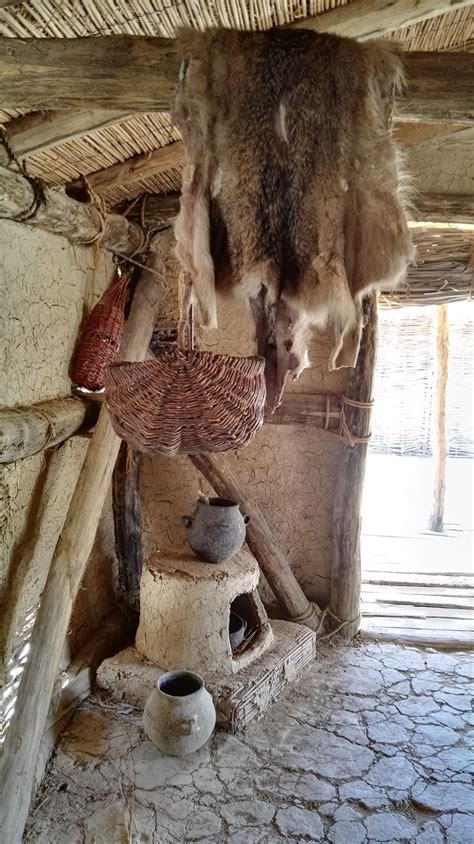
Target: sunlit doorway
{"points": [[418, 585]]}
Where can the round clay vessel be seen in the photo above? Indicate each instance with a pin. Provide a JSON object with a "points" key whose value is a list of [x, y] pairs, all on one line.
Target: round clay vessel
{"points": [[216, 530], [237, 628], [179, 716]]}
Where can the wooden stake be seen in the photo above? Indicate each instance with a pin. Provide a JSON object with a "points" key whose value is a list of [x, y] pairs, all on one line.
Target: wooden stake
{"points": [[17, 764], [438, 439], [346, 563], [128, 525], [261, 541]]}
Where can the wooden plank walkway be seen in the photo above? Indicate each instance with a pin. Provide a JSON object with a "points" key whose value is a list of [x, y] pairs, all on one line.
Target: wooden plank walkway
{"points": [[419, 588]]}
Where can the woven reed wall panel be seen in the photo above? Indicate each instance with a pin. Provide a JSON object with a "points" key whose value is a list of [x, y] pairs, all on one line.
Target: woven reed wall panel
{"points": [[404, 380]]}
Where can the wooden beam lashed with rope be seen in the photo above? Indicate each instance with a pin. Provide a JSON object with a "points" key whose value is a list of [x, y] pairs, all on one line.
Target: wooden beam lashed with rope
{"points": [[25, 200]]}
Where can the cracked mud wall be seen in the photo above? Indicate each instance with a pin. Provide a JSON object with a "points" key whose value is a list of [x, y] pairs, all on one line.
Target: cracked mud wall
{"points": [[47, 287], [290, 471]]}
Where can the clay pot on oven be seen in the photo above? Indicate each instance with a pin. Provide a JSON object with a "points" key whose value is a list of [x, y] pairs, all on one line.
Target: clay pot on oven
{"points": [[216, 530], [179, 716]]}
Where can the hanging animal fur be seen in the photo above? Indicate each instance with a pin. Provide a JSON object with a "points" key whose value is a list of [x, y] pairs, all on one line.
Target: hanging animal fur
{"points": [[291, 184]]}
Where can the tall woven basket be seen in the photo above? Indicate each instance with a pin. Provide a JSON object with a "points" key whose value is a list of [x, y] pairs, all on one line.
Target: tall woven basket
{"points": [[101, 337], [186, 401]]}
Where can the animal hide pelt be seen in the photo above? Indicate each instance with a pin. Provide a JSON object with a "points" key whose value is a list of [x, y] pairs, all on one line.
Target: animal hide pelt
{"points": [[291, 190]]}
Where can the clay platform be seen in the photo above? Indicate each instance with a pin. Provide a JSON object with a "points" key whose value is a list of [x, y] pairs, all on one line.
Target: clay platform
{"points": [[239, 698]]}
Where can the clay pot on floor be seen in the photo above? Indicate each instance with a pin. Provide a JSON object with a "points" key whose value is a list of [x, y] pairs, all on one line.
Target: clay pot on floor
{"points": [[216, 530], [179, 716]]}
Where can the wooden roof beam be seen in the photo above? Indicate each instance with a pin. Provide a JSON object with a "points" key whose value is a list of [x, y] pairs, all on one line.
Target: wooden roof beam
{"points": [[362, 19], [375, 18], [172, 156], [35, 133], [160, 210], [102, 72], [136, 168]]}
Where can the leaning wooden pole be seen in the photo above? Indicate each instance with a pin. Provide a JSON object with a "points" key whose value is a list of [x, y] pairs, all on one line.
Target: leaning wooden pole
{"points": [[346, 563], [261, 541], [17, 764], [23, 200], [438, 438]]}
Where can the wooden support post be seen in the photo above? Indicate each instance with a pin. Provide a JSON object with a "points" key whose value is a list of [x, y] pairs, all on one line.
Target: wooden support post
{"points": [[438, 438], [261, 541], [59, 214], [26, 431], [17, 764], [346, 563], [128, 525]]}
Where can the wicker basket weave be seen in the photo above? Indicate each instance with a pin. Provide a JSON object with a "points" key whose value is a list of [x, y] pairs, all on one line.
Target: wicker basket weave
{"points": [[101, 337], [187, 402]]}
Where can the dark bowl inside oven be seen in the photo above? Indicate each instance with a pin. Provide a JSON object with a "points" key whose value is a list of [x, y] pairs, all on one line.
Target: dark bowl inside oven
{"points": [[237, 627]]}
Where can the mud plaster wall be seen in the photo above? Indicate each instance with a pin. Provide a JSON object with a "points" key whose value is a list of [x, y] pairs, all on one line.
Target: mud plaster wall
{"points": [[47, 286], [290, 470]]}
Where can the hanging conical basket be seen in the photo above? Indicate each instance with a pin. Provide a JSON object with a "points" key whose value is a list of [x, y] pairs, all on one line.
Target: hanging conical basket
{"points": [[187, 402], [101, 337]]}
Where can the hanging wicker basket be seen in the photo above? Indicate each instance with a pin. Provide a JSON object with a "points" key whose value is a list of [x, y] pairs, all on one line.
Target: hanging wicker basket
{"points": [[186, 401], [101, 337]]}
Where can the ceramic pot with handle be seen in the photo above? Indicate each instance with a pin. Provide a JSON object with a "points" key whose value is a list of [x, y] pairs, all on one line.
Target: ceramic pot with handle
{"points": [[179, 716], [216, 530]]}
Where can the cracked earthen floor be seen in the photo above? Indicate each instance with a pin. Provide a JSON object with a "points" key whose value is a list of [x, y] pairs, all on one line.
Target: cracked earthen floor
{"points": [[373, 745]]}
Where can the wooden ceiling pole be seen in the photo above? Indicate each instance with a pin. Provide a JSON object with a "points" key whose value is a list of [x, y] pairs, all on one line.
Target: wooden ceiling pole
{"points": [[102, 72], [139, 167], [375, 18], [35, 133], [160, 209], [361, 19]]}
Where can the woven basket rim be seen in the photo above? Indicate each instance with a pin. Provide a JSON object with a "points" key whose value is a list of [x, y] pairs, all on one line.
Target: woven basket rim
{"points": [[189, 354]]}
